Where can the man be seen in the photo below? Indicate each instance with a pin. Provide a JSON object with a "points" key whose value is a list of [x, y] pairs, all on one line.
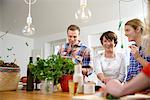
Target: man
{"points": [[75, 50]]}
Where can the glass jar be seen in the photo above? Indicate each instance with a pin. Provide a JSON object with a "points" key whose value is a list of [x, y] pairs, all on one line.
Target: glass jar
{"points": [[47, 86]]}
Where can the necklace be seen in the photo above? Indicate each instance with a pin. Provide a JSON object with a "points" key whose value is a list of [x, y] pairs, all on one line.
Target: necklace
{"points": [[109, 55], [108, 62]]}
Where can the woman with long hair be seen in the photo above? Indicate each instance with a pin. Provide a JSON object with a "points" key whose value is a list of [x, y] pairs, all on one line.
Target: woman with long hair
{"points": [[142, 80]]}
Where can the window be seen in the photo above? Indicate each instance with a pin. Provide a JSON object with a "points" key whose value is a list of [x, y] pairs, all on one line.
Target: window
{"points": [[55, 45], [97, 50]]}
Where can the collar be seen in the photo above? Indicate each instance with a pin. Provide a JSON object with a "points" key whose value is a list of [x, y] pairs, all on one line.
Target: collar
{"points": [[140, 48], [108, 59], [77, 45]]}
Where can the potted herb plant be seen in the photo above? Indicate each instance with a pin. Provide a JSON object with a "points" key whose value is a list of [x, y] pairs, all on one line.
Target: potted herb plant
{"points": [[54, 68]]}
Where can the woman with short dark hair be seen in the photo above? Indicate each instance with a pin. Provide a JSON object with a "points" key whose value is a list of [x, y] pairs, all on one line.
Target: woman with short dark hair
{"points": [[109, 64]]}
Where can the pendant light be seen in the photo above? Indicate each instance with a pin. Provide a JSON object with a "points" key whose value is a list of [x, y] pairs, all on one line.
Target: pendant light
{"points": [[83, 14], [29, 28]]}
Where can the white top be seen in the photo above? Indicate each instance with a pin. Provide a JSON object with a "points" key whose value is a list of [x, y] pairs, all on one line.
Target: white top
{"points": [[111, 67]]}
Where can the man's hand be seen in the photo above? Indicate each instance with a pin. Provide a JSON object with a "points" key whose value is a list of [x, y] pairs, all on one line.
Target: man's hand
{"points": [[69, 48], [86, 71]]}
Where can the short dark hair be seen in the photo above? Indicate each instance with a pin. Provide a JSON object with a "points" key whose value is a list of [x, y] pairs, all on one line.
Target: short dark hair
{"points": [[73, 28], [109, 35]]}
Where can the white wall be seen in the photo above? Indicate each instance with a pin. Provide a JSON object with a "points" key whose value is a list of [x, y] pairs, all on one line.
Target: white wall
{"points": [[0, 44], [20, 50], [85, 32], [1, 14], [40, 42]]}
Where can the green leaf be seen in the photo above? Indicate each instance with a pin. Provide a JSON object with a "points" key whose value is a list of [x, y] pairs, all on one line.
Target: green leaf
{"points": [[52, 68]]}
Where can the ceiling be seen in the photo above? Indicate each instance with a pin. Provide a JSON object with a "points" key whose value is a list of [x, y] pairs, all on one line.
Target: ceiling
{"points": [[54, 16]]}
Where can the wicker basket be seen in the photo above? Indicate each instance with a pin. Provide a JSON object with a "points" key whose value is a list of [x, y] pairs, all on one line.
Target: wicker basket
{"points": [[9, 78]]}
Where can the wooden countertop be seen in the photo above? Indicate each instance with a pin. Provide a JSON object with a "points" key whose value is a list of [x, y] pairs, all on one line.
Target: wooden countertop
{"points": [[36, 95]]}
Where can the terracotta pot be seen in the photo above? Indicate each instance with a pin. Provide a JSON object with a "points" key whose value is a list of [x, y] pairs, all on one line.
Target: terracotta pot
{"points": [[24, 79], [64, 82]]}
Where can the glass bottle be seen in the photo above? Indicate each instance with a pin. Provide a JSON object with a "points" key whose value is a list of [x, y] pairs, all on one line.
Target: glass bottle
{"points": [[37, 81], [30, 85], [78, 77]]}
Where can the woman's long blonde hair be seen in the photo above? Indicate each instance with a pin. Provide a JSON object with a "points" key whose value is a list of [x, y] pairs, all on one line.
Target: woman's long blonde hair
{"points": [[135, 23]]}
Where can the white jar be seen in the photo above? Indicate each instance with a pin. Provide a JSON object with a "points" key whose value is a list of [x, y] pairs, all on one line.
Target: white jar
{"points": [[89, 88]]}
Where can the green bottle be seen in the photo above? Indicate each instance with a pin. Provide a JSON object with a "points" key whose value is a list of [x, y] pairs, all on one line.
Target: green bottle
{"points": [[30, 77], [37, 81]]}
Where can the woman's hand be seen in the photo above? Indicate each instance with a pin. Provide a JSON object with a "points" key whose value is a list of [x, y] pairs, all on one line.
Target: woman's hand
{"points": [[104, 79], [135, 52]]}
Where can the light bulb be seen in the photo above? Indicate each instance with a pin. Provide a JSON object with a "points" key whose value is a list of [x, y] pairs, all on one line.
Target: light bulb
{"points": [[28, 30], [83, 14]]}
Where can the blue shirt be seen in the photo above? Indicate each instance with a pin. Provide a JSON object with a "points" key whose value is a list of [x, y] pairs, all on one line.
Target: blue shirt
{"points": [[135, 67]]}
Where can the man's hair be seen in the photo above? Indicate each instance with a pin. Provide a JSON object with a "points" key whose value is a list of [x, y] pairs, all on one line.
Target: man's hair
{"points": [[109, 35], [73, 28]]}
